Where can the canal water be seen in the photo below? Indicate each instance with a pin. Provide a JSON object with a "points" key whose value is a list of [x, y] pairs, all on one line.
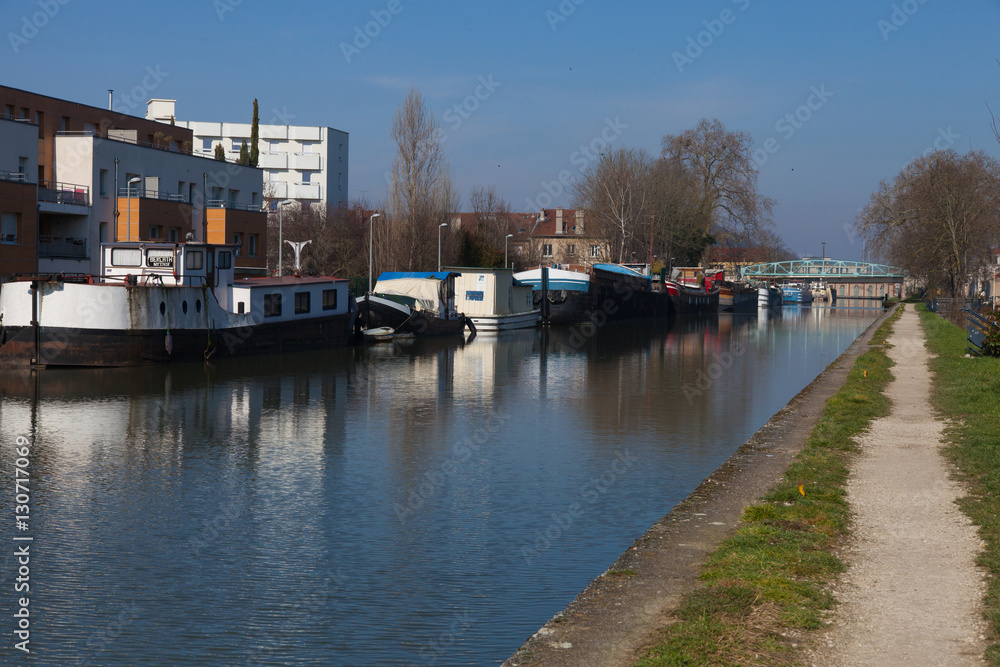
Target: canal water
{"points": [[424, 504]]}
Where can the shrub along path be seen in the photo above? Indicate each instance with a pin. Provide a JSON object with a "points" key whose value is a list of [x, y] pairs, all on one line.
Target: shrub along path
{"points": [[912, 593]]}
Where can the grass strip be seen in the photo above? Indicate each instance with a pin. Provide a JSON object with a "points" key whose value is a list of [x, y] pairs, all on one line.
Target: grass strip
{"points": [[772, 575], [967, 394]]}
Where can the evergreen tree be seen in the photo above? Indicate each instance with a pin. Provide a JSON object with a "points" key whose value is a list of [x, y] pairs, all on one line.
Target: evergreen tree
{"points": [[220, 152], [244, 153], [254, 136]]}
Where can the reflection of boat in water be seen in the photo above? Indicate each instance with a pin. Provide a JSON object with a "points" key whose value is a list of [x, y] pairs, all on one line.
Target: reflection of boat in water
{"points": [[165, 302], [421, 304], [563, 298]]}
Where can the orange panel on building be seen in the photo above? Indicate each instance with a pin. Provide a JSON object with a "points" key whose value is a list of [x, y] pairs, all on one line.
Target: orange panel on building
{"points": [[248, 228]]}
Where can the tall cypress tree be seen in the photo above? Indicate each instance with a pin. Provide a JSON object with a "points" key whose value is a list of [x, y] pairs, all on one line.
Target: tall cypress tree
{"points": [[254, 136], [220, 152], [244, 153]]}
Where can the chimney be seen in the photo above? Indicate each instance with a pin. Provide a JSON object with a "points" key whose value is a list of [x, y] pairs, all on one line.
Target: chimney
{"points": [[111, 98], [560, 223]]}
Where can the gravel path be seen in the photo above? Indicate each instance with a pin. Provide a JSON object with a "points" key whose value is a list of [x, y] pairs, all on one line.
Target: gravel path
{"points": [[911, 595]]}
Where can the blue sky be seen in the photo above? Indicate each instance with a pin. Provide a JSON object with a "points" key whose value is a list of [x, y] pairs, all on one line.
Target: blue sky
{"points": [[886, 80]]}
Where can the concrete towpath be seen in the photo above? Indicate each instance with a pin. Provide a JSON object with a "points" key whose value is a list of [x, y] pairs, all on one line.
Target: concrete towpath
{"points": [[911, 594]]}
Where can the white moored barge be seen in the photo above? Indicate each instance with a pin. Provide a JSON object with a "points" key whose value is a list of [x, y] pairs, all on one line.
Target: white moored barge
{"points": [[163, 302]]}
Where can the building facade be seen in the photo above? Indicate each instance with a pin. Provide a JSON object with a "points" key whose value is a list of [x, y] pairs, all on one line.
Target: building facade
{"points": [[73, 176], [304, 163]]}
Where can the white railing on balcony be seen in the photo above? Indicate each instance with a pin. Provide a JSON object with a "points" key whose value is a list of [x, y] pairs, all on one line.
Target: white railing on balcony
{"points": [[63, 193]]}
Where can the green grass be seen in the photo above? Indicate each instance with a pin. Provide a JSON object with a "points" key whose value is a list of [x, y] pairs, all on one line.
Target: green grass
{"points": [[771, 576], [967, 394]]}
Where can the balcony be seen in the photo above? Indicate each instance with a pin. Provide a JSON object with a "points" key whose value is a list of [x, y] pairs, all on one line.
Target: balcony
{"points": [[236, 206], [51, 192], [112, 135], [304, 161], [151, 194], [273, 161], [303, 191], [62, 246], [14, 177]]}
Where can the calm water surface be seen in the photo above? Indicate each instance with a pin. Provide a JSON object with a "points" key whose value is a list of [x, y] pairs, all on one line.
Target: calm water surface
{"points": [[428, 504]]}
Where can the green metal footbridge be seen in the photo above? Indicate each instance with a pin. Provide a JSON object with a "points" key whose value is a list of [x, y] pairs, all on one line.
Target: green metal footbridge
{"points": [[823, 269]]}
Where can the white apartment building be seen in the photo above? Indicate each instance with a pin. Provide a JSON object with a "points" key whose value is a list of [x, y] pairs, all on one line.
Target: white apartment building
{"points": [[307, 164]]}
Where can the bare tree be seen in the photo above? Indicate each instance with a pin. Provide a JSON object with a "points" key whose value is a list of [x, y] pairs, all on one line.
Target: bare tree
{"points": [[615, 194], [938, 218], [678, 232], [421, 193], [339, 240], [722, 162]]}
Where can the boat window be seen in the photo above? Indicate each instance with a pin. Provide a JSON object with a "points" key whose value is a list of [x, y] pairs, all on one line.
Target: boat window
{"points": [[241, 308], [225, 259], [329, 299], [197, 305], [272, 305], [184, 306], [126, 257], [193, 260], [301, 302]]}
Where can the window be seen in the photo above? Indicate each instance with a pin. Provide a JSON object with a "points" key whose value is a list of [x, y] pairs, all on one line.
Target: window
{"points": [[216, 193], [241, 308], [193, 260], [154, 232], [207, 145], [272, 305], [64, 124], [234, 195], [238, 242], [253, 200], [103, 182], [252, 250], [22, 166], [173, 234], [10, 111], [595, 251], [571, 249], [301, 302], [8, 228], [306, 177], [25, 113], [237, 144], [126, 257], [329, 299], [546, 250], [225, 259]]}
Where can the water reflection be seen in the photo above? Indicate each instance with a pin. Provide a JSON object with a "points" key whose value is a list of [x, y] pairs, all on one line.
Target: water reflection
{"points": [[428, 503]]}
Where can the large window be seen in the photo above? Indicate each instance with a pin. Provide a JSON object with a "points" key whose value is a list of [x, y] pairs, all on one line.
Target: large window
{"points": [[252, 250], [272, 305], [225, 259], [238, 242], [103, 182], [329, 299], [126, 257], [595, 251], [546, 250], [301, 303]]}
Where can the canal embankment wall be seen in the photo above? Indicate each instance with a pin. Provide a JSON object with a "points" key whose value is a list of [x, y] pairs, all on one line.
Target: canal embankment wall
{"points": [[623, 610]]}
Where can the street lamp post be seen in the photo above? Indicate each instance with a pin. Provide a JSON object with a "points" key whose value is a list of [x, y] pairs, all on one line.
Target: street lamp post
{"points": [[824, 250], [281, 204], [131, 182], [371, 228], [443, 224], [509, 236]]}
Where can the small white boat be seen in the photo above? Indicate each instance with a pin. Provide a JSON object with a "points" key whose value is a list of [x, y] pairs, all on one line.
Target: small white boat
{"points": [[378, 334]]}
